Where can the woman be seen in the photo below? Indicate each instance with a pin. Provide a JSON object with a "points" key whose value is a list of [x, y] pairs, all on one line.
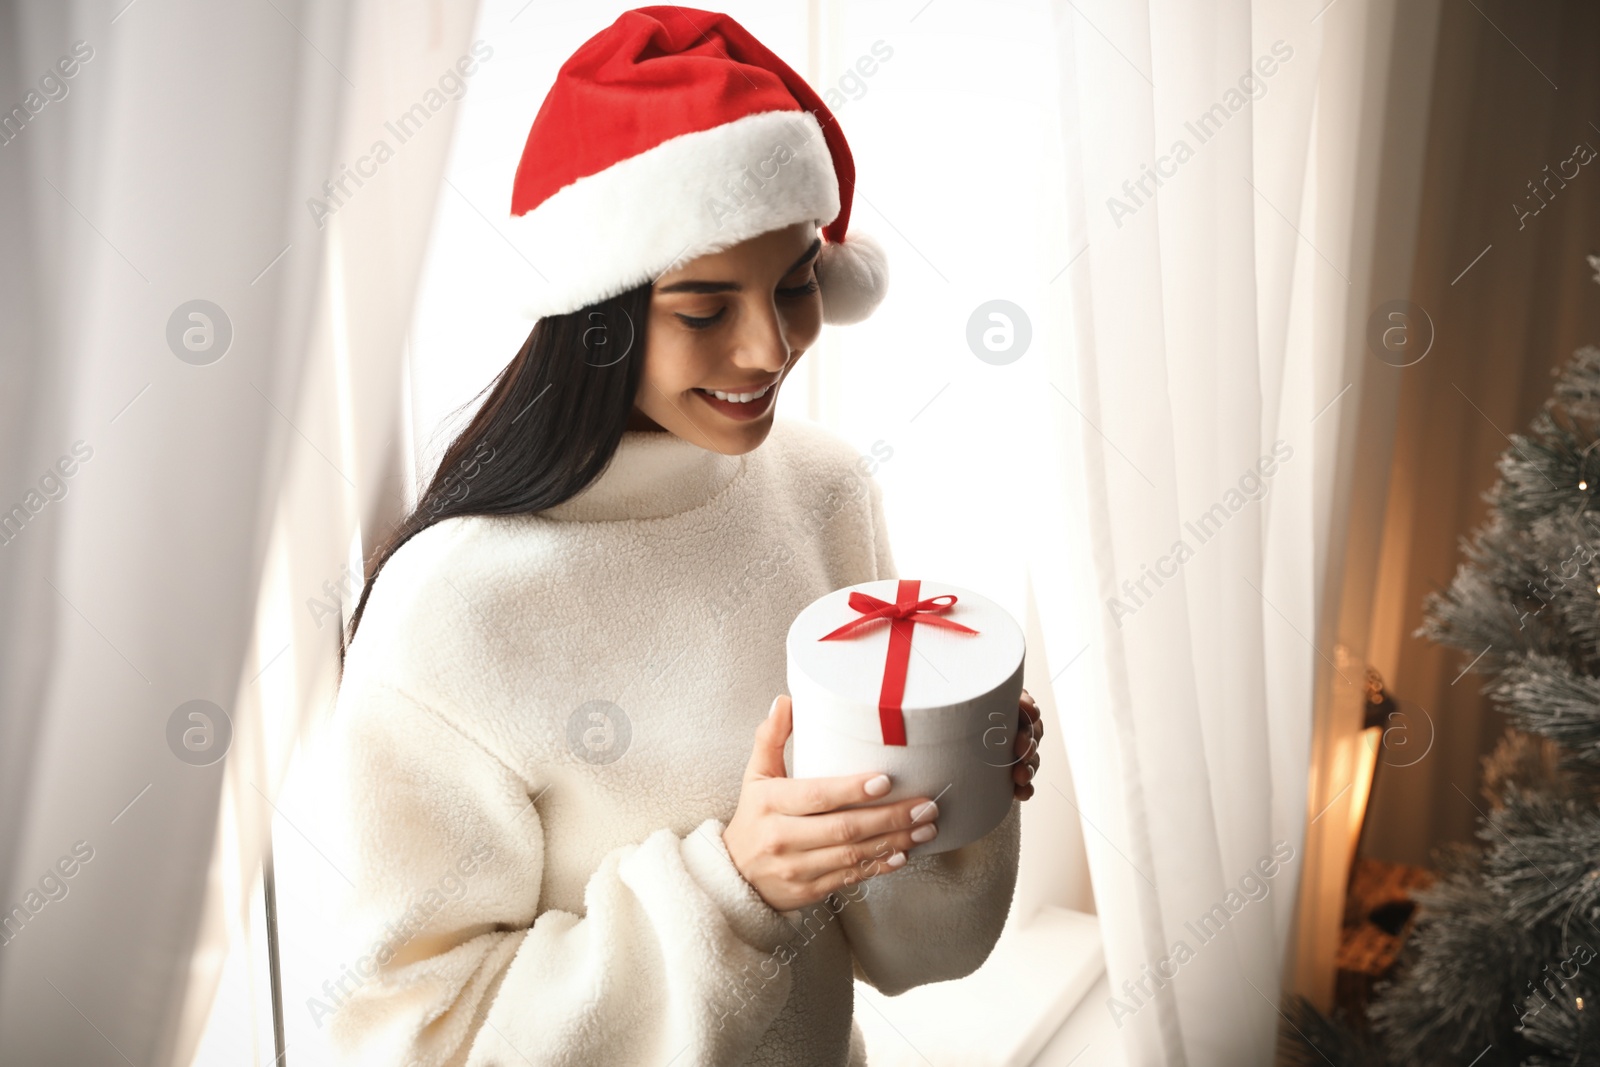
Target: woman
{"points": [[561, 844]]}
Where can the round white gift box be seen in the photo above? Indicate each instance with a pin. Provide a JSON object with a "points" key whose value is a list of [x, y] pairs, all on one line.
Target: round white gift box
{"points": [[959, 707]]}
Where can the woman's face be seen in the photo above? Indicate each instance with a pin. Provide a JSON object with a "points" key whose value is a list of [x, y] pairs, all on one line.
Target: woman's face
{"points": [[734, 321]]}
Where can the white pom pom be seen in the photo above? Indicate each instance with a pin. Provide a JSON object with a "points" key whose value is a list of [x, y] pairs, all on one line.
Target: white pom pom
{"points": [[853, 276]]}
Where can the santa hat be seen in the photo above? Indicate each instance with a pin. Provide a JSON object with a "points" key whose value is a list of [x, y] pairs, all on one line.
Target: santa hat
{"points": [[671, 134]]}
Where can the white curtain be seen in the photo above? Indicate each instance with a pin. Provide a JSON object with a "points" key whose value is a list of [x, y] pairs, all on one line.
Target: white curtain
{"points": [[1222, 374], [213, 460]]}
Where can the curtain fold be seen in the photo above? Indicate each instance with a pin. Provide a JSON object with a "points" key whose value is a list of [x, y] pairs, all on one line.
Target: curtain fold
{"points": [[1519, 312], [170, 171], [225, 451], [346, 487], [1222, 182]]}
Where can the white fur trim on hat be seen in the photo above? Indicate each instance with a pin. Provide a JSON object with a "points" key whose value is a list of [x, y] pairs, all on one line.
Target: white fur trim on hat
{"points": [[853, 277], [688, 196]]}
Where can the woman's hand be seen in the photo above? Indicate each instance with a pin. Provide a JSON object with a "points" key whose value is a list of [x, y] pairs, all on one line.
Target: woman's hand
{"points": [[1030, 730], [792, 846]]}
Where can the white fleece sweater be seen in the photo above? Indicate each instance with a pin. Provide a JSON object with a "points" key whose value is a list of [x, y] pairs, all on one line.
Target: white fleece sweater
{"points": [[541, 880]]}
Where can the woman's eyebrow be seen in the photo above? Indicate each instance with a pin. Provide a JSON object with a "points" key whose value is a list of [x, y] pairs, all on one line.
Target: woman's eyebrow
{"points": [[734, 287], [806, 256]]}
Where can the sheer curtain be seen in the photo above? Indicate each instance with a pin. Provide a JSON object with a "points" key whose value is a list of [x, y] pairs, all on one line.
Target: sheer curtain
{"points": [[165, 159], [415, 63], [218, 461], [1228, 168]]}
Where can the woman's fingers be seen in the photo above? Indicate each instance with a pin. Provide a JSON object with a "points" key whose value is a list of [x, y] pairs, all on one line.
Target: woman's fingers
{"points": [[766, 754], [812, 796], [814, 855], [1030, 729], [827, 869], [813, 833], [842, 879], [1022, 776]]}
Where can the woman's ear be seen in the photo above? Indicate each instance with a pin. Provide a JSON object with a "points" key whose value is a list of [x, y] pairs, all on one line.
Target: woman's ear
{"points": [[853, 276]]}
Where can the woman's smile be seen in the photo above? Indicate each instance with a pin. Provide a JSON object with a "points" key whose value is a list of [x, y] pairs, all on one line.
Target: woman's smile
{"points": [[741, 406]]}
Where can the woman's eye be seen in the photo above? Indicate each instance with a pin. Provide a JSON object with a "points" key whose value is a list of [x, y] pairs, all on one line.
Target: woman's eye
{"points": [[800, 290], [697, 322], [702, 322]]}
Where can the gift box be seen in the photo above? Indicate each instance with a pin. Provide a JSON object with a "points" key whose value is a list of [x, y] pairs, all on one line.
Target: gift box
{"points": [[919, 680]]}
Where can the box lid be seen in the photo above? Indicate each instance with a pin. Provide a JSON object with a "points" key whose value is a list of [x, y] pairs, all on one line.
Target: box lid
{"points": [[946, 667]]}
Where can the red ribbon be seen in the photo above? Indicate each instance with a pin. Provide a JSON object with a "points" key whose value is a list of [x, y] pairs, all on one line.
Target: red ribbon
{"points": [[903, 614]]}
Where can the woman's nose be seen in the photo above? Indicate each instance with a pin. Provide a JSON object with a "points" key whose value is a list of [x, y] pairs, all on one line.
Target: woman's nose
{"points": [[763, 342]]}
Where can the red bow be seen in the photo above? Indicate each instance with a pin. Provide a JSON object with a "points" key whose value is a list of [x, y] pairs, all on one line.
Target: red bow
{"points": [[903, 614]]}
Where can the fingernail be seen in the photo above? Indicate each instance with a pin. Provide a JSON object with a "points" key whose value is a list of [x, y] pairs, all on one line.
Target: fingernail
{"points": [[924, 833], [896, 860], [878, 786], [925, 812], [774, 709]]}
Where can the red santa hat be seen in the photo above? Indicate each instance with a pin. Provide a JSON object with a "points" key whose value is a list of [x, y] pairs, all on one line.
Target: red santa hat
{"points": [[671, 134]]}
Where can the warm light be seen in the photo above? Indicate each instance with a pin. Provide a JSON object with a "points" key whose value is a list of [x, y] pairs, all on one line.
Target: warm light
{"points": [[1582, 484], [1371, 739]]}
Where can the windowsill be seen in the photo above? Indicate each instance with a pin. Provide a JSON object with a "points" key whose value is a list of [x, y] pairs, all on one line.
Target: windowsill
{"points": [[1088, 1037], [1004, 1014]]}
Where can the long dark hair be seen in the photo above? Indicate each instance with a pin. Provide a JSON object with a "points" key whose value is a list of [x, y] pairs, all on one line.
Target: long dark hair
{"points": [[552, 421]]}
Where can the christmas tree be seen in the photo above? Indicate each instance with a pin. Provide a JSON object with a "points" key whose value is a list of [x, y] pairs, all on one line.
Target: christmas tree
{"points": [[1503, 966]]}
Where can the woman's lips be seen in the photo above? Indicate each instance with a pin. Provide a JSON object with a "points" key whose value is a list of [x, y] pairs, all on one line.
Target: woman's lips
{"points": [[740, 412]]}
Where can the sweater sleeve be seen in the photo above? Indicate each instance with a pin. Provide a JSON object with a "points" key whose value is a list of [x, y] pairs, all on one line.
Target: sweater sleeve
{"points": [[455, 960], [939, 916]]}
